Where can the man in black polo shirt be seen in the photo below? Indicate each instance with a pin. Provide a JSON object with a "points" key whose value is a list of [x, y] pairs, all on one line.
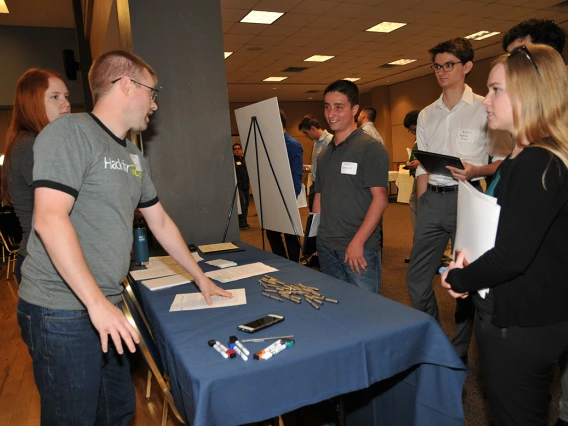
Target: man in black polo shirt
{"points": [[351, 193]]}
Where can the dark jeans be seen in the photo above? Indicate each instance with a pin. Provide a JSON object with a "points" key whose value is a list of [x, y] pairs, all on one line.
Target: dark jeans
{"points": [[277, 246], [18, 269], [332, 264], [517, 364], [244, 199], [77, 382]]}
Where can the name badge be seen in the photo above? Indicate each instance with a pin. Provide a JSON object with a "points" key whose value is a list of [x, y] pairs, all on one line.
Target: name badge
{"points": [[348, 168], [238, 163], [468, 135], [136, 162]]}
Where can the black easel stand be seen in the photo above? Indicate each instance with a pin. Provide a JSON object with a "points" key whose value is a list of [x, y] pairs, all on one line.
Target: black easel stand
{"points": [[254, 125]]}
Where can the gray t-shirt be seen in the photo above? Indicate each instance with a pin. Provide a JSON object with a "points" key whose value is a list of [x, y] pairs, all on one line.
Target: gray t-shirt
{"points": [[108, 178], [19, 182], [345, 175]]}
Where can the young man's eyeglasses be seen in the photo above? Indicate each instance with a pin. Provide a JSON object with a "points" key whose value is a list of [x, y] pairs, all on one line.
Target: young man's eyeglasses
{"points": [[448, 66], [153, 90], [528, 55]]}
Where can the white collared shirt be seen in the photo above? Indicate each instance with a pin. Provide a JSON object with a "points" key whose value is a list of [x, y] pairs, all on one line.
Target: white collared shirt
{"points": [[370, 129], [461, 132], [319, 146]]}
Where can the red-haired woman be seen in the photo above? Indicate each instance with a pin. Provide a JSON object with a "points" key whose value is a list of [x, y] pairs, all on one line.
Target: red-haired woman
{"points": [[41, 97]]}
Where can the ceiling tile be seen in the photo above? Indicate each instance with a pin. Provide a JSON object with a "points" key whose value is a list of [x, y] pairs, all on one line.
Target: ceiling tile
{"points": [[233, 15], [241, 28], [349, 10], [279, 30], [315, 7], [311, 32], [277, 5], [329, 22], [297, 19]]}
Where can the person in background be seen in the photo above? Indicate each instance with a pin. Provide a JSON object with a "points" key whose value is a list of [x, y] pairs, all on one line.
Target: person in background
{"points": [[410, 121], [522, 326], [243, 184], [311, 128], [41, 97], [295, 152], [366, 121]]}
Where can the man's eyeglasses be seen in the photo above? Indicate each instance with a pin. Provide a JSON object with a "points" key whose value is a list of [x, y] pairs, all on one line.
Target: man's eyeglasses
{"points": [[153, 90], [448, 66], [528, 55]]}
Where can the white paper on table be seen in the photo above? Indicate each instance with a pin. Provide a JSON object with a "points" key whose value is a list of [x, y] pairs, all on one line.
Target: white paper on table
{"points": [[220, 263], [194, 301], [208, 248], [161, 266], [315, 225], [169, 281], [477, 222], [240, 272]]}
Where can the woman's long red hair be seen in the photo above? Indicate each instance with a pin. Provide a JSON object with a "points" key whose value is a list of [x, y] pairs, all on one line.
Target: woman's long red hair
{"points": [[28, 115]]}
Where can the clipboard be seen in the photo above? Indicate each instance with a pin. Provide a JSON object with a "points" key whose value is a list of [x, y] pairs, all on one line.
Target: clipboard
{"points": [[436, 163], [208, 249]]}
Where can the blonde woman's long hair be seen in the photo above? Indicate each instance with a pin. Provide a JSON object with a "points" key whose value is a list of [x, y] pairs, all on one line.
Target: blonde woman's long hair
{"points": [[537, 84]]}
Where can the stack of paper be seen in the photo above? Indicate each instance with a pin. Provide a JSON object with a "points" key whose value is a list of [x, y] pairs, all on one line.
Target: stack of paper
{"points": [[220, 263], [193, 301], [162, 272], [169, 281], [240, 272], [477, 222]]}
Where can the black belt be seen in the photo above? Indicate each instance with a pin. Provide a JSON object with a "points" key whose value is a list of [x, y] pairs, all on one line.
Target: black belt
{"points": [[451, 188]]}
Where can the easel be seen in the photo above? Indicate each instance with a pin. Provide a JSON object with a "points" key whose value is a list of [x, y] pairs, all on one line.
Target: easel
{"points": [[257, 132]]}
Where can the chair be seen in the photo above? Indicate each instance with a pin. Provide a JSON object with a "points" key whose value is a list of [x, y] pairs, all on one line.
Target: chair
{"points": [[9, 253], [135, 316]]}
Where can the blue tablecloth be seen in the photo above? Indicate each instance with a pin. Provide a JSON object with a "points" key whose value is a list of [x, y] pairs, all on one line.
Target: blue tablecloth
{"points": [[366, 339]]}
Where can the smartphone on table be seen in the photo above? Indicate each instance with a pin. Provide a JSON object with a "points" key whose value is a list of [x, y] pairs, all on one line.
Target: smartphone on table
{"points": [[260, 323]]}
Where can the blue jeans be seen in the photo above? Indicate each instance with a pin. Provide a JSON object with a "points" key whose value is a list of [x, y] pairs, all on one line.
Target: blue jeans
{"points": [[332, 264], [77, 382]]}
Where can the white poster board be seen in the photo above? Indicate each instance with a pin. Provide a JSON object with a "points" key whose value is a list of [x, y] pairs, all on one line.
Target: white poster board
{"points": [[273, 210]]}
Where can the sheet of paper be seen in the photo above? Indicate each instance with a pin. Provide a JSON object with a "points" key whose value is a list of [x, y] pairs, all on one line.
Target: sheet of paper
{"points": [[159, 266], [477, 221], [315, 225], [409, 152], [169, 281], [208, 248], [301, 200], [220, 263], [240, 272], [194, 301]]}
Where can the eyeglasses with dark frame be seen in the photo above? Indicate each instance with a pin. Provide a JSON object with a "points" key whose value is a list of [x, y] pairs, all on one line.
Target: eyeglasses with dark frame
{"points": [[448, 66], [153, 90], [528, 55]]}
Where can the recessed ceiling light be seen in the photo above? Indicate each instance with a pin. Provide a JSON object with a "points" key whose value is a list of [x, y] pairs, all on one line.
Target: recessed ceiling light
{"points": [[227, 54], [3, 7], [275, 78], [482, 35], [352, 78], [261, 17], [318, 58], [386, 27], [308, 98], [403, 61]]}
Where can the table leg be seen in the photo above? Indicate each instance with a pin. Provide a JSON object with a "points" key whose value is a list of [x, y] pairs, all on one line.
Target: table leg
{"points": [[340, 411]]}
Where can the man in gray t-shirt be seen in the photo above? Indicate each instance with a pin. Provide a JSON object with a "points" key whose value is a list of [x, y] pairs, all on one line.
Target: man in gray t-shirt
{"points": [[350, 193], [88, 179]]}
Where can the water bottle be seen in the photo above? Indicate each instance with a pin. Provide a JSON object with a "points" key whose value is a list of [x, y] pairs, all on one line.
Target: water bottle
{"points": [[140, 244]]}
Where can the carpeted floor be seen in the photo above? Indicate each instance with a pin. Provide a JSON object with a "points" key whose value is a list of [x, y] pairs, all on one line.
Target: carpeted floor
{"points": [[397, 244]]}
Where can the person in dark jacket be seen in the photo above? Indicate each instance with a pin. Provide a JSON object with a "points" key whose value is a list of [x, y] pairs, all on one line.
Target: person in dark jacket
{"points": [[243, 183]]}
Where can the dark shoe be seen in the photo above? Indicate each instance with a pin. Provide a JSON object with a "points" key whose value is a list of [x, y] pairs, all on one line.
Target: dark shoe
{"points": [[244, 227], [407, 260], [314, 262]]}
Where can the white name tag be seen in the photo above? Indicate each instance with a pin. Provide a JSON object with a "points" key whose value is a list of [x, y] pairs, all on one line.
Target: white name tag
{"points": [[136, 162], [468, 135], [238, 163], [348, 168]]}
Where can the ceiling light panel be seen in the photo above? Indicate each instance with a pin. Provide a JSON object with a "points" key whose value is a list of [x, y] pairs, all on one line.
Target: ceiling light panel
{"points": [[227, 54], [386, 27], [261, 17], [352, 78], [3, 7], [275, 78], [481, 35], [403, 62], [318, 58]]}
